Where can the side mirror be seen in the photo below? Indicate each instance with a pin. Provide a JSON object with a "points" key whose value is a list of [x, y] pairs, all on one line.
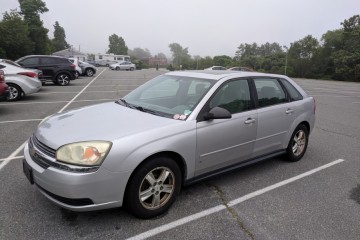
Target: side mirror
{"points": [[217, 113]]}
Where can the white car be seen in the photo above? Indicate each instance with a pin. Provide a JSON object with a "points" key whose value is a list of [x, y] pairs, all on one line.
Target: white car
{"points": [[215, 68], [21, 81], [78, 69], [123, 66]]}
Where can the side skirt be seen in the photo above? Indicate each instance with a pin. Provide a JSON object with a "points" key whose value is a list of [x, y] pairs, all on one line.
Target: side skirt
{"points": [[233, 167]]}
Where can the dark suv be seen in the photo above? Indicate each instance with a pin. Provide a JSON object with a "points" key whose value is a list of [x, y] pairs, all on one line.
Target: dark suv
{"points": [[58, 69]]}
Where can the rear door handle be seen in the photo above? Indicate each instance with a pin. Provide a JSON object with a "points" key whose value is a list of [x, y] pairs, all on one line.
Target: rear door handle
{"points": [[249, 120], [289, 111]]}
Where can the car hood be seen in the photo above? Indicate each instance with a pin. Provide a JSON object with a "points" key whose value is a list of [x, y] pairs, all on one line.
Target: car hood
{"points": [[107, 121]]}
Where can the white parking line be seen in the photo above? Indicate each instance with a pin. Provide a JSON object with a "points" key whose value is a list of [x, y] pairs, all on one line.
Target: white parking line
{"points": [[48, 93], [29, 103], [234, 202], [26, 120], [17, 157], [19, 149]]}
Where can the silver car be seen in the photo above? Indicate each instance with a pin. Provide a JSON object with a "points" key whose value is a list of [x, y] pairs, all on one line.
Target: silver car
{"points": [[123, 66], [21, 81], [176, 129]]}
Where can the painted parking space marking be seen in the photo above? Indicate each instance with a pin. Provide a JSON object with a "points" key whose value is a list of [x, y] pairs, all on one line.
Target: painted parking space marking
{"points": [[29, 103], [17, 121], [232, 203]]}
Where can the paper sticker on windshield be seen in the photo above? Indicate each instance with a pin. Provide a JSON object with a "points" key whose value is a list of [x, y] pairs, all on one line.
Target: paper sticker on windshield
{"points": [[187, 112], [182, 117], [176, 116]]}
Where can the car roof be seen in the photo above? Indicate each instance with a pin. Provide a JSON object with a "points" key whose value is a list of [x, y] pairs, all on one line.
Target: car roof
{"points": [[219, 74]]}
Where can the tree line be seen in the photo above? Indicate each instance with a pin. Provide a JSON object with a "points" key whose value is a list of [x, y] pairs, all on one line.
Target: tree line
{"points": [[335, 56]]}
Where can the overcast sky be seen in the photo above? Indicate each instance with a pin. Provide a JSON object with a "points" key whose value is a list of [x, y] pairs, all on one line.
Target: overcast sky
{"points": [[206, 27]]}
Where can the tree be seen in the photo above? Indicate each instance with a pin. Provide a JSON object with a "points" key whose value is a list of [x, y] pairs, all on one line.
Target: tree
{"points": [[223, 60], [140, 53], [180, 56], [14, 40], [301, 55], [31, 10], [117, 45], [59, 40]]}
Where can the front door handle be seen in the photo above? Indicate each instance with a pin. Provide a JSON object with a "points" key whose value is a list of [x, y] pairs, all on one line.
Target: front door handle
{"points": [[249, 120], [289, 111]]}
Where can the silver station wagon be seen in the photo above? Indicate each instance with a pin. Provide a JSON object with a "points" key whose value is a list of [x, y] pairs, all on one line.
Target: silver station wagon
{"points": [[176, 129]]}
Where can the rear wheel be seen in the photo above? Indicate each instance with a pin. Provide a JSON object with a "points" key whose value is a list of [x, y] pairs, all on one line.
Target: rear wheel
{"points": [[15, 92], [89, 72], [298, 143], [63, 79], [153, 187]]}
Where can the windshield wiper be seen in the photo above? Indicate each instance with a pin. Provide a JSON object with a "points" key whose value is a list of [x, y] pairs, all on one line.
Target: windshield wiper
{"points": [[140, 108], [122, 102]]}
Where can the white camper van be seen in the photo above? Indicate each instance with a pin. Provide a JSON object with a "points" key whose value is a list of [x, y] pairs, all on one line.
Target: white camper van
{"points": [[108, 59]]}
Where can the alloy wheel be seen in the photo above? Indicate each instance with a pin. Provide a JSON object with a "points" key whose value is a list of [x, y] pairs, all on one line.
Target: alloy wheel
{"points": [[157, 188], [299, 142]]}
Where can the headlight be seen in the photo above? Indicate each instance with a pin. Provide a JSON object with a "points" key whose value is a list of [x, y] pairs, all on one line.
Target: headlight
{"points": [[84, 153]]}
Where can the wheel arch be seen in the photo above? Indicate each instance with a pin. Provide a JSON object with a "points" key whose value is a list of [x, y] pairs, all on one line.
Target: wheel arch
{"points": [[179, 160]]}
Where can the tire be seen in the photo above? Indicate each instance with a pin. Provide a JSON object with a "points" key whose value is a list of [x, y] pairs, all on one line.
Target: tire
{"points": [[298, 143], [149, 181], [15, 92], [63, 79], [131, 69], [89, 72], [117, 68]]}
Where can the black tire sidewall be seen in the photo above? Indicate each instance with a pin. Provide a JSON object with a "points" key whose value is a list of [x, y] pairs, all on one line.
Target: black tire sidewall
{"points": [[290, 155], [132, 200]]}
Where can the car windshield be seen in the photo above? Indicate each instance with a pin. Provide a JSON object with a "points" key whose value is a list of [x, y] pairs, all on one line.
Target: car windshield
{"points": [[168, 96]]}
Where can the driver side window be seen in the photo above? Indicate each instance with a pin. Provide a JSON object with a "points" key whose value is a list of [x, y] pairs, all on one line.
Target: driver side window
{"points": [[234, 96]]}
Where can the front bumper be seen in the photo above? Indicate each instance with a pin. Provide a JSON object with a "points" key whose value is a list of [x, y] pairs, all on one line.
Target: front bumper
{"points": [[79, 191]]}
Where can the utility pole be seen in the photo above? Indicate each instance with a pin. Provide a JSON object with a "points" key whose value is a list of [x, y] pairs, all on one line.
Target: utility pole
{"points": [[286, 57]]}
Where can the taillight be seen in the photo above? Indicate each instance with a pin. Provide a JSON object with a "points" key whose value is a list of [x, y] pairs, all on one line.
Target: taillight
{"points": [[72, 66], [29, 74], [2, 76]]}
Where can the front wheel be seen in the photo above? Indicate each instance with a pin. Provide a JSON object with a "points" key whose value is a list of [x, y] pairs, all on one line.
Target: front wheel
{"points": [[298, 143], [14, 92], [153, 187], [117, 68], [131, 69], [63, 79]]}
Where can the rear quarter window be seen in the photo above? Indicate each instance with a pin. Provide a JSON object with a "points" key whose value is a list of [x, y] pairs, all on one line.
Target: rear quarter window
{"points": [[292, 91]]}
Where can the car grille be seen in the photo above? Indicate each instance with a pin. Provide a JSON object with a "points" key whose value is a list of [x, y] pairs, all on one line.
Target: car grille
{"points": [[42, 152], [43, 148]]}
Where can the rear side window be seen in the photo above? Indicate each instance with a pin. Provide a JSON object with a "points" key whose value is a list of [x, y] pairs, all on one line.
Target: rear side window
{"points": [[293, 92], [1, 66], [269, 92], [30, 61]]}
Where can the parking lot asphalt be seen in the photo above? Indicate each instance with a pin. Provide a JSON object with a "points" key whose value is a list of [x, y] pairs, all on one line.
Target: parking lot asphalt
{"points": [[273, 199]]}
